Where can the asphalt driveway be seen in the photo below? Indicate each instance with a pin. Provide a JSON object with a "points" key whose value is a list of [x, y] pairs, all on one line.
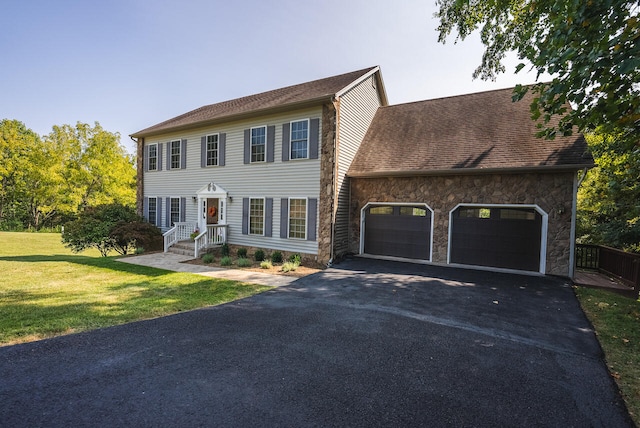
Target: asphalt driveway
{"points": [[364, 344]]}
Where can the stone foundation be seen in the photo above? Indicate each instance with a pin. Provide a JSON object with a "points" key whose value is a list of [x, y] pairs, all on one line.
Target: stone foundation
{"points": [[552, 192]]}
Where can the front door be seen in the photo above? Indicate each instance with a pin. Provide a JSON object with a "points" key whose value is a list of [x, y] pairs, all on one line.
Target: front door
{"points": [[212, 210]]}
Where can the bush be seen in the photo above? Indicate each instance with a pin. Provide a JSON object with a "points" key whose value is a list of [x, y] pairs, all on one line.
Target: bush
{"points": [[207, 258], [266, 264], [224, 250], [289, 267], [258, 255], [276, 257], [242, 253], [243, 262], [295, 258], [139, 250], [137, 234], [226, 261]]}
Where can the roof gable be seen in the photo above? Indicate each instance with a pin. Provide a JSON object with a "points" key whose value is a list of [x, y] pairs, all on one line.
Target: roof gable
{"points": [[468, 133], [297, 95]]}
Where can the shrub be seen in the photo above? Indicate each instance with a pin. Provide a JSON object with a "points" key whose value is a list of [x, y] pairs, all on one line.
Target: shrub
{"points": [[295, 258], [289, 267], [242, 253], [226, 261], [243, 262], [207, 258], [266, 264], [258, 255], [137, 234], [139, 250], [224, 250], [276, 257]]}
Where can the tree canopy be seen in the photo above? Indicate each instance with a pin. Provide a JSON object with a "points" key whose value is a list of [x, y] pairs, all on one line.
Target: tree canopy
{"points": [[591, 48], [47, 179]]}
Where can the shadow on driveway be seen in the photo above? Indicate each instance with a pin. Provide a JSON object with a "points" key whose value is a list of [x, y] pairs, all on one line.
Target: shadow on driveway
{"points": [[366, 343]]}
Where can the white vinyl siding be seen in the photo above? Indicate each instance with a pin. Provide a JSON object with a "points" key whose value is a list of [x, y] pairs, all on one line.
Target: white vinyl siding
{"points": [[357, 108], [274, 180]]}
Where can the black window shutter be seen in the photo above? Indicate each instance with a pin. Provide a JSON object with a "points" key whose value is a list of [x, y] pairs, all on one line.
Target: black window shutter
{"points": [[247, 146], [312, 214], [168, 155], [203, 152], [159, 156], [183, 154], [145, 159], [222, 148], [245, 216], [268, 217], [158, 211], [167, 220], [145, 208], [284, 217], [286, 134], [271, 142], [314, 131], [183, 209]]}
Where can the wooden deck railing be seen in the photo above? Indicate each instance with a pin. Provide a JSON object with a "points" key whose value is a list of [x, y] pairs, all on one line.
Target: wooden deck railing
{"points": [[619, 264]]}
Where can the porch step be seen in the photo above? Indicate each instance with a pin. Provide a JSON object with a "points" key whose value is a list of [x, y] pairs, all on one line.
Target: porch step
{"points": [[184, 248]]}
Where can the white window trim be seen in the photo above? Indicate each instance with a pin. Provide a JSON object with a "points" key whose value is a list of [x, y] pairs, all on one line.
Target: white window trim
{"points": [[306, 218], [291, 138], [266, 146], [206, 152], [149, 158], [263, 199], [394, 204], [171, 154], [543, 236]]}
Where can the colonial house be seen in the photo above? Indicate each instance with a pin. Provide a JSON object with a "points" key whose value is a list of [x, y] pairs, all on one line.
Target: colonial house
{"points": [[327, 168]]}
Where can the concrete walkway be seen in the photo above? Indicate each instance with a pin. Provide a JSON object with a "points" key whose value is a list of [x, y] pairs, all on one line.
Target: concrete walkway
{"points": [[175, 262]]}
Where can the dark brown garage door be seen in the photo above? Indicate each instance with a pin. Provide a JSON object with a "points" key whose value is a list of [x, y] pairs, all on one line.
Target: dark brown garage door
{"points": [[398, 231], [497, 237]]}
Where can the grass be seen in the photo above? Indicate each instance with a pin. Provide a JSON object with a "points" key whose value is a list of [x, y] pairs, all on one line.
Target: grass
{"points": [[48, 291], [616, 320]]}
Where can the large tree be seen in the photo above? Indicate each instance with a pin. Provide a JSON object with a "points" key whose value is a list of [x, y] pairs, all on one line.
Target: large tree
{"points": [[590, 48]]}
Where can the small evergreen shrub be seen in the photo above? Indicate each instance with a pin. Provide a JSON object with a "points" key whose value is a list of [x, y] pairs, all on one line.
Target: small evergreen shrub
{"points": [[258, 255], [139, 250], [242, 253], [295, 258], [276, 257], [266, 264], [243, 262], [224, 250], [226, 261], [289, 267], [207, 258]]}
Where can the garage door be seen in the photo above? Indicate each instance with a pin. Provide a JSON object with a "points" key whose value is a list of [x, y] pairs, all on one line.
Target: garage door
{"points": [[497, 237], [398, 231]]}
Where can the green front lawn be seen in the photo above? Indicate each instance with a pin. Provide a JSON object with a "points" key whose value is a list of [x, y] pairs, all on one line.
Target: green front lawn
{"points": [[46, 290], [616, 320]]}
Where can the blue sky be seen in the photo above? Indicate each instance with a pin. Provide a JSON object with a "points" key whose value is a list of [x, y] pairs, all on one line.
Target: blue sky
{"points": [[129, 64]]}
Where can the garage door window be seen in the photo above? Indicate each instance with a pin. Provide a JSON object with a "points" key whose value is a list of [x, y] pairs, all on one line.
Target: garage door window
{"points": [[413, 211], [385, 210]]}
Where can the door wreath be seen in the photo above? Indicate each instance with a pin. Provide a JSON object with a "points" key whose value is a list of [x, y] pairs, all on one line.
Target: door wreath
{"points": [[212, 211]]}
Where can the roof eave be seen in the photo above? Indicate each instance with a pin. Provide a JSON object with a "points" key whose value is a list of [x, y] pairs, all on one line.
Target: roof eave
{"points": [[237, 116], [470, 171]]}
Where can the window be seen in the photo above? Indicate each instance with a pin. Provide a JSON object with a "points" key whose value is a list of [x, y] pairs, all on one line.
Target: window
{"points": [[175, 211], [475, 213], [256, 216], [517, 214], [384, 210], [175, 154], [298, 218], [299, 139], [153, 210], [212, 150], [413, 211], [153, 157], [258, 144]]}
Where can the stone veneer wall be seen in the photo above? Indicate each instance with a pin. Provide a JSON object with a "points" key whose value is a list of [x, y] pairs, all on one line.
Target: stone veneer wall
{"points": [[140, 177], [553, 192], [327, 177]]}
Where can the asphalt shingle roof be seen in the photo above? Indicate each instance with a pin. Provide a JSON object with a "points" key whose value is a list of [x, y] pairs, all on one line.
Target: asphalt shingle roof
{"points": [[279, 98], [467, 133]]}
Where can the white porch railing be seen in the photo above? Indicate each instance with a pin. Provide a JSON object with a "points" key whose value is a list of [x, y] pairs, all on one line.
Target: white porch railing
{"points": [[179, 232], [216, 234]]}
